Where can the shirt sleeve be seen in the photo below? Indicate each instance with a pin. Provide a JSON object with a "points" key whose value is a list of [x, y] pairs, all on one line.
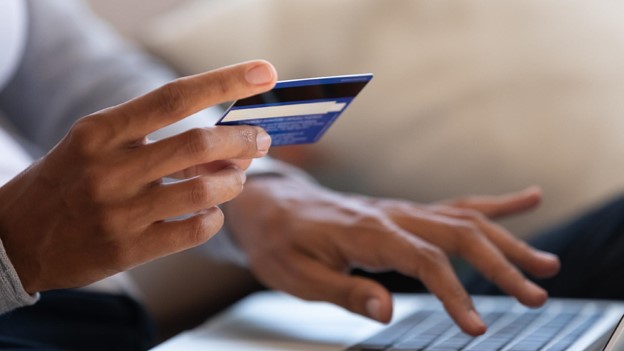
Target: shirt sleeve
{"points": [[73, 64], [12, 294]]}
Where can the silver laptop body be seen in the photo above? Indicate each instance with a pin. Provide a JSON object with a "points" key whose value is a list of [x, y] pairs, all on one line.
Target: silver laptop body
{"points": [[275, 321]]}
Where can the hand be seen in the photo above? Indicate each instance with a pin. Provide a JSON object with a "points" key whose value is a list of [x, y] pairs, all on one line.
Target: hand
{"points": [[305, 239], [96, 205]]}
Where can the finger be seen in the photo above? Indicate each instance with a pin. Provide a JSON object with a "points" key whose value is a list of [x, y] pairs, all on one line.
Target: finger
{"points": [[416, 258], [503, 205], [189, 196], [536, 262], [185, 96], [462, 237], [486, 258], [311, 280], [196, 147], [165, 238], [209, 168], [434, 270]]}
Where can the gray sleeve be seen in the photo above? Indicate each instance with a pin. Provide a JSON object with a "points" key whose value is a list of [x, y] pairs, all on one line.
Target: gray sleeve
{"points": [[12, 294], [73, 64]]}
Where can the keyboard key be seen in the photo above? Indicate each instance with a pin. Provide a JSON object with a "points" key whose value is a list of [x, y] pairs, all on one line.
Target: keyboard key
{"points": [[518, 329], [387, 337]]}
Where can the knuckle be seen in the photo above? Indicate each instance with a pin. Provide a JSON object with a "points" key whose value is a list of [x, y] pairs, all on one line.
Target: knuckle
{"points": [[467, 231], [432, 265], [240, 182], [473, 215], [170, 98], [141, 211], [221, 84], [198, 141], [363, 220], [201, 192], [83, 136], [248, 136], [205, 226], [432, 258], [468, 236], [473, 249], [215, 219], [236, 183], [238, 177]]}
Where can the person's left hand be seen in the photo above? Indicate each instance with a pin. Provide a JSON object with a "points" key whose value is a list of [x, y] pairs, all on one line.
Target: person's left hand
{"points": [[96, 204], [304, 239]]}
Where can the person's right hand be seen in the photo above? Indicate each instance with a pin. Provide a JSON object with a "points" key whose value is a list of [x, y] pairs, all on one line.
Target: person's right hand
{"points": [[305, 240], [96, 205]]}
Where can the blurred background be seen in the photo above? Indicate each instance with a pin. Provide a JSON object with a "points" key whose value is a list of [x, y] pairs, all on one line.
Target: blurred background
{"points": [[468, 97]]}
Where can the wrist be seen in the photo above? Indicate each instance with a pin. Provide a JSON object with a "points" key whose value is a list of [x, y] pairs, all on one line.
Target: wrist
{"points": [[13, 252]]}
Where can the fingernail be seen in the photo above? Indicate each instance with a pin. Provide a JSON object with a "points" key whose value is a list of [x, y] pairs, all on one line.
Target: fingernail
{"points": [[263, 142], [243, 177], [547, 256], [531, 189], [535, 297], [260, 74], [475, 320], [373, 308]]}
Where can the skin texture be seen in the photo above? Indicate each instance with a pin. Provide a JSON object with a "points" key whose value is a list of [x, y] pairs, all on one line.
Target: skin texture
{"points": [[305, 239], [96, 204]]}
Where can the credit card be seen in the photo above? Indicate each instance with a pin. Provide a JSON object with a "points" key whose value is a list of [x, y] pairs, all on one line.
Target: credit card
{"points": [[297, 111]]}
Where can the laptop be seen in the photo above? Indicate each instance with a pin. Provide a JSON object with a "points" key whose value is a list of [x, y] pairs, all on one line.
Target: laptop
{"points": [[276, 321]]}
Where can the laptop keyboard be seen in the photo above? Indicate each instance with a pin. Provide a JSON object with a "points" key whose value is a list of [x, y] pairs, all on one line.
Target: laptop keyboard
{"points": [[510, 327]]}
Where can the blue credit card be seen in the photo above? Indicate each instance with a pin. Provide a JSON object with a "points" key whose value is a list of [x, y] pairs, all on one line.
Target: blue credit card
{"points": [[297, 111]]}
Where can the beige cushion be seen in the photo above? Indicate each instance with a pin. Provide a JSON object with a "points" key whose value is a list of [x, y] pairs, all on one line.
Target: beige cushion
{"points": [[468, 97]]}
